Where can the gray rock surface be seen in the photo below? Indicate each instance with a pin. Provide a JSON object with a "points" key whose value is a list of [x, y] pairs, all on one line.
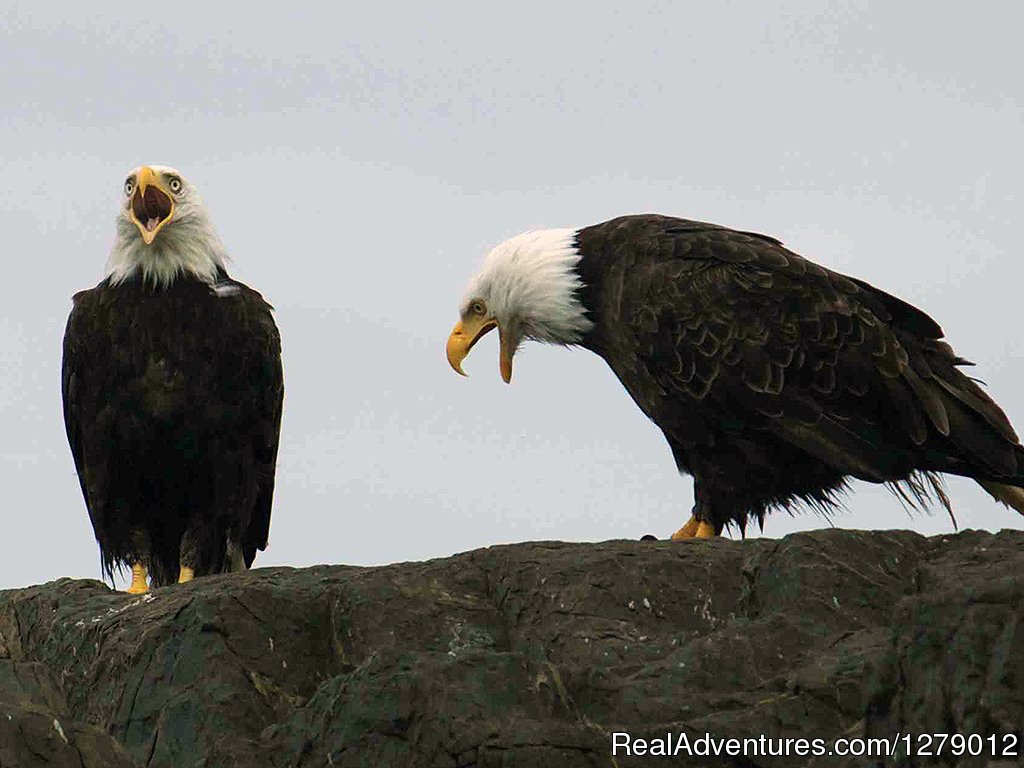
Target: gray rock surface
{"points": [[526, 655]]}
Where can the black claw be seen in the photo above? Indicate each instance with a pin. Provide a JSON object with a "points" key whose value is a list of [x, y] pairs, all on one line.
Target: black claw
{"points": [[648, 537]]}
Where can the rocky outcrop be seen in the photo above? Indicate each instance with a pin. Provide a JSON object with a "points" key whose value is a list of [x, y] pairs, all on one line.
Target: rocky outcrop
{"points": [[525, 655]]}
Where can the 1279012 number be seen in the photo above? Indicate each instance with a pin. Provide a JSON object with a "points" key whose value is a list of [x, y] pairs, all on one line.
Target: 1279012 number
{"points": [[960, 745]]}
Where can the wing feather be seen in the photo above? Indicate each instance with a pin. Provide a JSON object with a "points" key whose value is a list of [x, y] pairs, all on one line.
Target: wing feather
{"points": [[740, 330], [267, 379], [81, 380]]}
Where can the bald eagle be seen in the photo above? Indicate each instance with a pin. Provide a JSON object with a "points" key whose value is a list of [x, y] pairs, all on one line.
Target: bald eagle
{"points": [[773, 379], [172, 391]]}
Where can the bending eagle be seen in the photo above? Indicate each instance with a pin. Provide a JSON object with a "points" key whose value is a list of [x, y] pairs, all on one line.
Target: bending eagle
{"points": [[773, 379], [172, 390]]}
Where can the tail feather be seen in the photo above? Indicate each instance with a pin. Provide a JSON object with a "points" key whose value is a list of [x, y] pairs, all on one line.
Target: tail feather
{"points": [[975, 398], [975, 438], [1009, 495], [987, 450], [967, 417]]}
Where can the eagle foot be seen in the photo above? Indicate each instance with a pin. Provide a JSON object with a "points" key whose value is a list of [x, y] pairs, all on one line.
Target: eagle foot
{"points": [[185, 574], [688, 531], [695, 529], [140, 583]]}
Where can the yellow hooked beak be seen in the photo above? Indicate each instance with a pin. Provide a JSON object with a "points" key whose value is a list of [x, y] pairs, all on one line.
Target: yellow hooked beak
{"points": [[468, 332], [152, 205]]}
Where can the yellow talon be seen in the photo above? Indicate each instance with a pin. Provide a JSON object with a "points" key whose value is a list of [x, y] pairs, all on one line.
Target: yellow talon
{"points": [[688, 531], [140, 584], [705, 531], [185, 574]]}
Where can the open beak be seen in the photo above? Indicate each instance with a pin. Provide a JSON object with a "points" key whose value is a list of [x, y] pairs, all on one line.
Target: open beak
{"points": [[152, 206], [467, 333]]}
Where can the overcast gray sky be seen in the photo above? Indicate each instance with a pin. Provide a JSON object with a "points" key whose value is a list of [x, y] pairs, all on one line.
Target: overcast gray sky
{"points": [[360, 159]]}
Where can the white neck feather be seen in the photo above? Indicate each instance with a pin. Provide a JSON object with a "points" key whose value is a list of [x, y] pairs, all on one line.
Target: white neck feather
{"points": [[188, 245], [530, 283]]}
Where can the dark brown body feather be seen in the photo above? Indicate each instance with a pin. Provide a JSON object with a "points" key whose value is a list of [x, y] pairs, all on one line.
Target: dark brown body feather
{"points": [[773, 378], [172, 404]]}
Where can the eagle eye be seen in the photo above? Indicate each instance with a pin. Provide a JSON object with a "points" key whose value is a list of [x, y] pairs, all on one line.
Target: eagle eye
{"points": [[174, 184], [129, 186], [477, 308]]}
